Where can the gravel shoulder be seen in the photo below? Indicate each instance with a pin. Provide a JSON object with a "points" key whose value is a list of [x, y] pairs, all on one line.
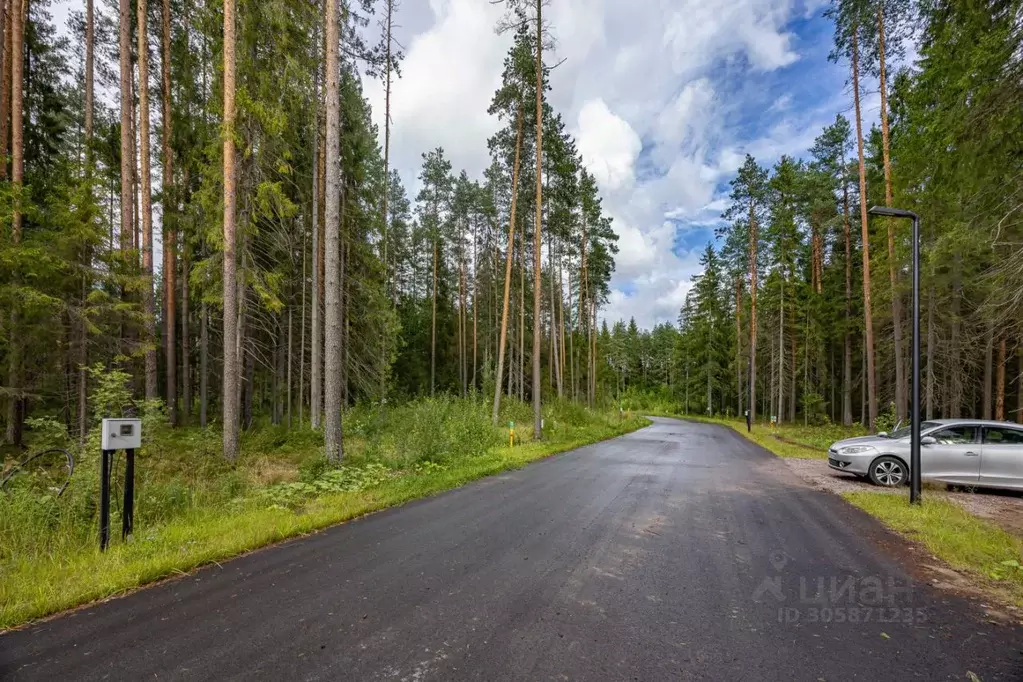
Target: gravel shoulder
{"points": [[1000, 507]]}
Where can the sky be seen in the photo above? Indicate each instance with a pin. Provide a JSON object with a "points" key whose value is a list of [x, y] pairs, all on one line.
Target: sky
{"points": [[664, 98]]}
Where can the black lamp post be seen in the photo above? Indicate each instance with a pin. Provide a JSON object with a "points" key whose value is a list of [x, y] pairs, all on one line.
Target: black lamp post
{"points": [[914, 447]]}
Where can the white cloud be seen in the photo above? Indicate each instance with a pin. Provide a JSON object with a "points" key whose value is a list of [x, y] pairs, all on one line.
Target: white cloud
{"points": [[645, 88], [448, 78], [609, 146]]}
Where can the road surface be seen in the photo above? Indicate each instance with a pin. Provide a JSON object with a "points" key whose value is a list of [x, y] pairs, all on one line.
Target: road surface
{"points": [[680, 551]]}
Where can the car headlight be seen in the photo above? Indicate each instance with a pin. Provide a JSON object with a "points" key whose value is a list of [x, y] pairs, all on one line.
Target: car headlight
{"points": [[855, 449]]}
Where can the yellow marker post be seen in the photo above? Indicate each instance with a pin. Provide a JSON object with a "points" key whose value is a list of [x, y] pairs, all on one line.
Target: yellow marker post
{"points": [[511, 434]]}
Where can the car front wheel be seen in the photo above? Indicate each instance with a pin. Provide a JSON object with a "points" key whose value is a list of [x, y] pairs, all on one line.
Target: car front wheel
{"points": [[888, 472]]}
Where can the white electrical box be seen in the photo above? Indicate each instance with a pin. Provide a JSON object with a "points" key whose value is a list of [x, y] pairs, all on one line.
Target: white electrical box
{"points": [[122, 434]]}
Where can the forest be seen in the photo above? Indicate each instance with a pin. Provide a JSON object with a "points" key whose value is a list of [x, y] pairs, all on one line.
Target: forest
{"points": [[298, 278], [803, 311]]}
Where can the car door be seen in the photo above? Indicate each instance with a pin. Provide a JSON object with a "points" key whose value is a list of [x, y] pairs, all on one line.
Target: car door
{"points": [[954, 457], [1001, 463]]}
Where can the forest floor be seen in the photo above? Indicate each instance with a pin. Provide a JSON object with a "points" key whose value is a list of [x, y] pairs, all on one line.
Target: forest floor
{"points": [[193, 509], [976, 533]]}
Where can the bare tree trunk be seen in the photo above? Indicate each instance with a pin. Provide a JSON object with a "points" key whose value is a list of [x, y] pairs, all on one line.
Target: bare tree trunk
{"points": [[387, 178], [229, 394], [989, 343], [792, 378], [955, 392], [781, 354], [16, 411], [538, 228], [7, 9], [475, 305], [124, 47], [1019, 387], [1000, 381], [291, 361], [148, 302], [301, 344], [930, 352], [186, 344], [738, 344], [204, 373], [81, 327], [753, 246], [433, 319], [847, 412], [900, 367], [867, 313], [169, 235], [334, 370], [316, 352], [571, 342], [522, 314]]}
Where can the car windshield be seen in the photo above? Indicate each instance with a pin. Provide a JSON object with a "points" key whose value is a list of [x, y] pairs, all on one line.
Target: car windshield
{"points": [[905, 431]]}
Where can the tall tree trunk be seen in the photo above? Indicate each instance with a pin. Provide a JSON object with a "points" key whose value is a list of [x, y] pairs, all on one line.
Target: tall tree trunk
{"points": [[387, 179], [522, 315], [792, 377], [301, 343], [989, 343], [753, 245], [169, 235], [475, 305], [930, 352], [186, 344], [127, 164], [204, 367], [7, 9], [290, 363], [229, 394], [781, 354], [433, 317], [1000, 381], [865, 227], [316, 352], [900, 367], [538, 228], [1019, 387], [148, 302], [738, 344], [89, 104], [334, 370], [955, 389], [16, 410], [847, 411]]}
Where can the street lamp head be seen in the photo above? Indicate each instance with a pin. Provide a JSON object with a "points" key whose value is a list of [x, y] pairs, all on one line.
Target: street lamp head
{"points": [[891, 212]]}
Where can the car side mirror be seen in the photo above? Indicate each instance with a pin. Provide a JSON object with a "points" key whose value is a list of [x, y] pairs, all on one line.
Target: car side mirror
{"points": [[883, 434], [928, 440]]}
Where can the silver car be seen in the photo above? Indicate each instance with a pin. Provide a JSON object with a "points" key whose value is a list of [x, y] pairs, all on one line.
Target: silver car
{"points": [[970, 452]]}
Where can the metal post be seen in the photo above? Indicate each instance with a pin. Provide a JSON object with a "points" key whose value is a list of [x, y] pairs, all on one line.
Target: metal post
{"points": [[128, 520], [914, 447], [104, 500], [914, 437]]}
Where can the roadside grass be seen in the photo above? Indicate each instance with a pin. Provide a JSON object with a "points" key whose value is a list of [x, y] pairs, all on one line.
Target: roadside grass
{"points": [[193, 509], [786, 440], [968, 544]]}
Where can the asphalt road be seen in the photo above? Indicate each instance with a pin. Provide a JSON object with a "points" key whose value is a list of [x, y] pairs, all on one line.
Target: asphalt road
{"points": [[680, 551]]}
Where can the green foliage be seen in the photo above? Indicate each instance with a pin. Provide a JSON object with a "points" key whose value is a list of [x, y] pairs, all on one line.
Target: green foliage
{"points": [[341, 479]]}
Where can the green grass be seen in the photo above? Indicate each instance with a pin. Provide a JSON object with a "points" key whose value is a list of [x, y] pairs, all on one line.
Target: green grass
{"points": [[973, 546], [193, 509], [787, 440]]}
